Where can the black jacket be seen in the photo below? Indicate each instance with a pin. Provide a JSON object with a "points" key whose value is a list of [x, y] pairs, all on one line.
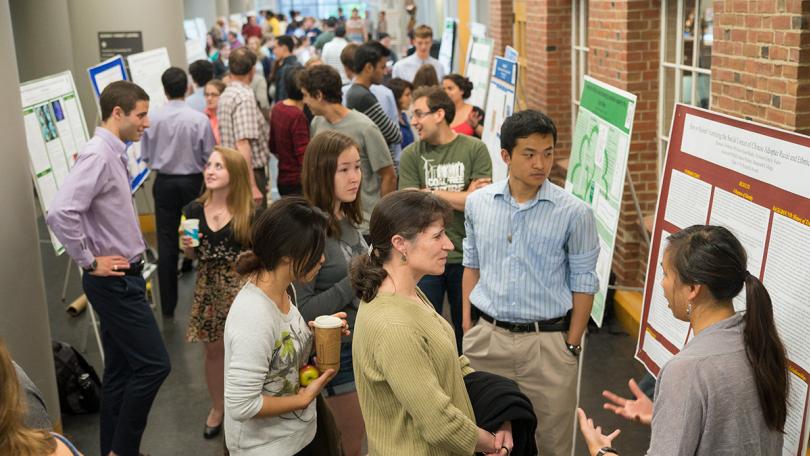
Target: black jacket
{"points": [[495, 400]]}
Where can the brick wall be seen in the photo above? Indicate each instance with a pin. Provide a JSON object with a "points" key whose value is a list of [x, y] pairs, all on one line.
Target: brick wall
{"points": [[623, 39], [501, 21], [548, 65], [761, 62]]}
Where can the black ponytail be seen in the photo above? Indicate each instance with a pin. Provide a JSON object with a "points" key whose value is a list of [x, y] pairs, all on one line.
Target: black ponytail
{"points": [[713, 256], [766, 353]]}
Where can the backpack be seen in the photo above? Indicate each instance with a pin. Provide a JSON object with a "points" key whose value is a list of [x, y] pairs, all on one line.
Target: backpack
{"points": [[77, 381]]}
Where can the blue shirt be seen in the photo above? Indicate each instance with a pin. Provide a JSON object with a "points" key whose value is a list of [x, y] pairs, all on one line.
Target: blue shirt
{"points": [[552, 252], [196, 100], [178, 140]]}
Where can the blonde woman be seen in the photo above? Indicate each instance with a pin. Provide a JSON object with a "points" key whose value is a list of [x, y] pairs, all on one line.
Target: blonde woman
{"points": [[224, 210], [15, 437]]}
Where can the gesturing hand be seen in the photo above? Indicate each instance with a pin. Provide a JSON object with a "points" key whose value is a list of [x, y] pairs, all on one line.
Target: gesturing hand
{"points": [[638, 410], [593, 434]]}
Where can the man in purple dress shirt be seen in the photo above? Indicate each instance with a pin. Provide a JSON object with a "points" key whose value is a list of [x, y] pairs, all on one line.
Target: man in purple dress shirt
{"points": [[92, 215], [176, 146]]}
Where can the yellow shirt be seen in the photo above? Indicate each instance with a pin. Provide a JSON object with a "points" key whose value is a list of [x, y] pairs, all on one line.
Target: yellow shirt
{"points": [[410, 381]]}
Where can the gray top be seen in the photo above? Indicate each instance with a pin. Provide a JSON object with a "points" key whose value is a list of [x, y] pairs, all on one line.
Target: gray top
{"points": [[331, 291], [36, 415], [706, 400]]}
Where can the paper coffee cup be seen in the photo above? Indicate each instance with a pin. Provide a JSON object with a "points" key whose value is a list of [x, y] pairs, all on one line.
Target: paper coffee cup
{"points": [[191, 228], [328, 330]]}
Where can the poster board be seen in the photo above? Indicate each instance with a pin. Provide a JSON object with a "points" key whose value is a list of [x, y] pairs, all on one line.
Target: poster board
{"points": [[195, 51], [500, 105], [597, 168], [146, 68], [511, 53], [479, 59], [447, 50], [755, 181], [101, 76], [55, 131]]}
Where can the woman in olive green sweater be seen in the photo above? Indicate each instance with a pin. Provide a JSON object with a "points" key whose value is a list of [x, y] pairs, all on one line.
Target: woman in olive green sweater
{"points": [[409, 378]]}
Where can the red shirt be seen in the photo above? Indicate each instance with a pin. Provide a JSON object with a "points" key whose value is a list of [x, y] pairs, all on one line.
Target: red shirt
{"points": [[464, 129], [251, 30], [289, 136]]}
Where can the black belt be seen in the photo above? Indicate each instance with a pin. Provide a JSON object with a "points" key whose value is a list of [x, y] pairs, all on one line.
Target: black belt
{"points": [[135, 269], [552, 325]]}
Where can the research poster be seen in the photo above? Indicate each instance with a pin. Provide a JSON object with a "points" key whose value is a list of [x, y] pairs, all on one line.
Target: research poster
{"points": [[101, 76], [500, 105], [597, 168], [754, 180], [55, 131], [447, 50], [479, 59], [146, 68]]}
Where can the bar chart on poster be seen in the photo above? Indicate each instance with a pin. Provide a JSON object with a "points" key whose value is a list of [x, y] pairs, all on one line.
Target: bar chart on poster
{"points": [[755, 181], [55, 131]]}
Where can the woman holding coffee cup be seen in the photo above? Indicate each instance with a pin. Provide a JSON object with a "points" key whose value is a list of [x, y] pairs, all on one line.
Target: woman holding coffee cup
{"points": [[409, 377], [267, 340], [331, 181], [222, 217]]}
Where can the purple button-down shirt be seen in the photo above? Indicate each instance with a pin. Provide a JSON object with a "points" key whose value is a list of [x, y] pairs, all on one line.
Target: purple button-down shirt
{"points": [[178, 140], [92, 213]]}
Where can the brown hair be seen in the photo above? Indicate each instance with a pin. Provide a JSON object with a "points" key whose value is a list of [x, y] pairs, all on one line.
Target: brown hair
{"points": [[218, 84], [241, 61], [425, 77], [423, 31], [123, 94], [713, 257], [15, 437], [240, 198], [289, 228], [437, 99], [347, 55], [324, 80], [318, 178], [464, 84], [406, 213]]}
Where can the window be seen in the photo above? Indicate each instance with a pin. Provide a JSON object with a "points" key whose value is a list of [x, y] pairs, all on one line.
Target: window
{"points": [[579, 53], [686, 58], [314, 8]]}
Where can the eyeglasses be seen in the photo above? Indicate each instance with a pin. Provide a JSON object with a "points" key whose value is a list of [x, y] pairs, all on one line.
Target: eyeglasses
{"points": [[419, 114]]}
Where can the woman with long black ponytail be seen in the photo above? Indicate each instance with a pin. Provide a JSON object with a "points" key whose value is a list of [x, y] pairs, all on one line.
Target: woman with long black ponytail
{"points": [[726, 391]]}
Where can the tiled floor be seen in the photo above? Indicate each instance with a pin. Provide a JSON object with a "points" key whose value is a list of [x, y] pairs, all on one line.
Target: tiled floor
{"points": [[177, 417]]}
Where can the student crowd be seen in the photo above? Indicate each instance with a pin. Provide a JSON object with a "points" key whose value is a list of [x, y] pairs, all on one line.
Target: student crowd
{"points": [[388, 209]]}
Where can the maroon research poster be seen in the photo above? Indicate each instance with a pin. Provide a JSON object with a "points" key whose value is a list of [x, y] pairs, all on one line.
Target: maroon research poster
{"points": [[755, 181]]}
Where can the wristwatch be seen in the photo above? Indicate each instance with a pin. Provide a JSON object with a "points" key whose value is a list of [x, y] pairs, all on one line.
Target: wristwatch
{"points": [[92, 266], [574, 349], [606, 450]]}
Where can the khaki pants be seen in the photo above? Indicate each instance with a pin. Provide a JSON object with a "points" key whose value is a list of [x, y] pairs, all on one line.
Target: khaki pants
{"points": [[544, 370]]}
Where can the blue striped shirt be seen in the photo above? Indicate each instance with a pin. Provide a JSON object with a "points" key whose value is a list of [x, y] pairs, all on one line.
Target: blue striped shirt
{"points": [[552, 252]]}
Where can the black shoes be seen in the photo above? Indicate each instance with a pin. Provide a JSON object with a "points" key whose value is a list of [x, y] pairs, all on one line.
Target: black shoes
{"points": [[212, 431]]}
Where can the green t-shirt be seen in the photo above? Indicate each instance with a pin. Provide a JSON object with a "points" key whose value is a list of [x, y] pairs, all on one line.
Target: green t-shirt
{"points": [[449, 167]]}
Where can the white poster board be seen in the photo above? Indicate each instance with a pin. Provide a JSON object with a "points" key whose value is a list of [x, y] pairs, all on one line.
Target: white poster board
{"points": [[195, 51], [479, 59], [597, 168], [146, 68], [755, 181], [447, 50], [55, 131], [500, 105]]}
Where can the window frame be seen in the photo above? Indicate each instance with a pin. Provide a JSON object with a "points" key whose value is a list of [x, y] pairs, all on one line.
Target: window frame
{"points": [[579, 53]]}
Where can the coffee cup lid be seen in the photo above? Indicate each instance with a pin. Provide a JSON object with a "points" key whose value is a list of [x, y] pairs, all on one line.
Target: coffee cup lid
{"points": [[328, 321]]}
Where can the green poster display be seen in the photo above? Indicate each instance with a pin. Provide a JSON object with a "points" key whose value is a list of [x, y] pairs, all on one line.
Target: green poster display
{"points": [[598, 165]]}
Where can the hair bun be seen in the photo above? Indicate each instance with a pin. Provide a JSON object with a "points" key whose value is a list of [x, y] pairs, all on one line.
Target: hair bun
{"points": [[247, 263]]}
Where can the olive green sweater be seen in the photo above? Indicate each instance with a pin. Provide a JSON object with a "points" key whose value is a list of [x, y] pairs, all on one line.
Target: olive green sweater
{"points": [[410, 381]]}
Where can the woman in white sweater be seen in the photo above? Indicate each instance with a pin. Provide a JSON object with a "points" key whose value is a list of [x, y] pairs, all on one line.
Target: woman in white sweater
{"points": [[267, 340]]}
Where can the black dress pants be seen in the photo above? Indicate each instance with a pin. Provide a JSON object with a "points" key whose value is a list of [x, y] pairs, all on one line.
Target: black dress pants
{"points": [[171, 193], [135, 359]]}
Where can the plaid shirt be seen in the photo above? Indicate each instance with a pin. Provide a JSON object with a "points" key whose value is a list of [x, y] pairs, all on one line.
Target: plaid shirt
{"points": [[239, 118]]}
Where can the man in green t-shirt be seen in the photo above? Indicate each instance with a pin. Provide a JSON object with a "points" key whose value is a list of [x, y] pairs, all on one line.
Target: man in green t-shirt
{"points": [[451, 166]]}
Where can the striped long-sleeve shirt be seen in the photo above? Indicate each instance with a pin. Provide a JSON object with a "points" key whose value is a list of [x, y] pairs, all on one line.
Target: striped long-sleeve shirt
{"points": [[362, 100], [531, 256]]}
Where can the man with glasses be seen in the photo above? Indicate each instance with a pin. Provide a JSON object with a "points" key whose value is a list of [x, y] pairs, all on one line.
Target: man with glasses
{"points": [[451, 166]]}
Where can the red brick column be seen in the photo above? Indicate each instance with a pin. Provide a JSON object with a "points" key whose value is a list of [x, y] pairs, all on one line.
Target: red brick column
{"points": [[623, 39], [501, 22], [548, 68], [761, 62]]}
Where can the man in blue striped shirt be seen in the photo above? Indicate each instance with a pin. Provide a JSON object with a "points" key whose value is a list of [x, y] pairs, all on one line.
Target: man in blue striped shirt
{"points": [[530, 275]]}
